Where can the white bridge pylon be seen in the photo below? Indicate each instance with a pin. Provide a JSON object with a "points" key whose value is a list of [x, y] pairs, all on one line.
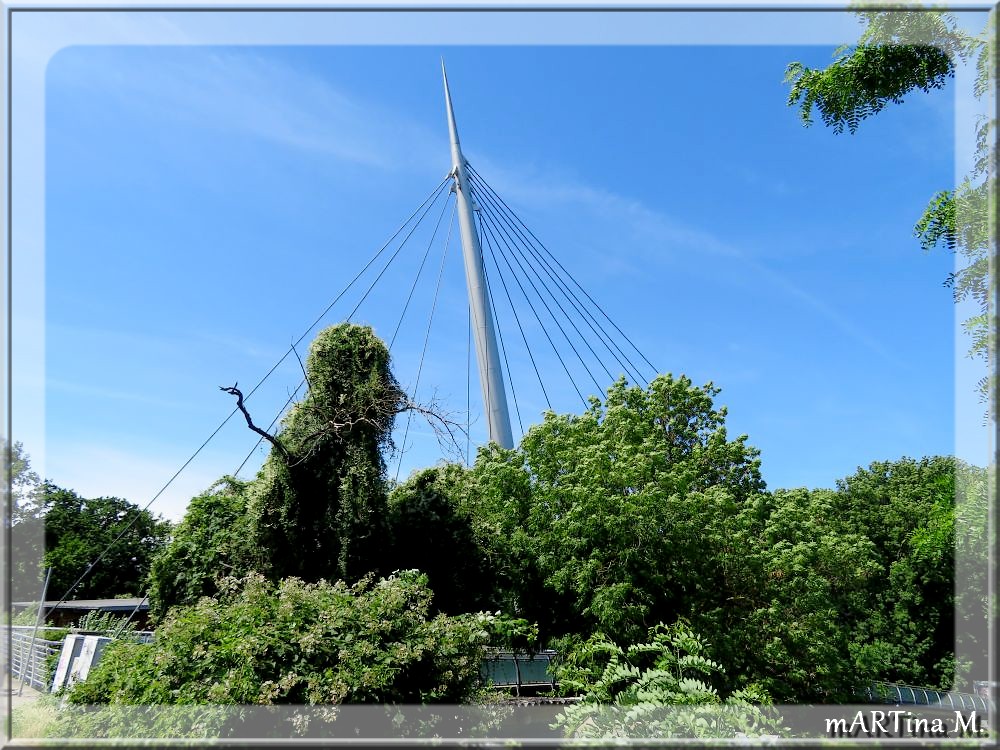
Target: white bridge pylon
{"points": [[487, 355]]}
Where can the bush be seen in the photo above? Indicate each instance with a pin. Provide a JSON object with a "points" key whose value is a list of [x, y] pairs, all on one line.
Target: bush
{"points": [[298, 643]]}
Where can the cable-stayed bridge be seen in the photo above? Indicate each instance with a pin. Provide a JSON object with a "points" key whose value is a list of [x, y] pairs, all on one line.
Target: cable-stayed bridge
{"points": [[535, 330], [522, 300]]}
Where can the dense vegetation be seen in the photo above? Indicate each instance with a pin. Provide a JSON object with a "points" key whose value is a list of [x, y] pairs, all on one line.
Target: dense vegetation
{"points": [[258, 642], [638, 531], [638, 538]]}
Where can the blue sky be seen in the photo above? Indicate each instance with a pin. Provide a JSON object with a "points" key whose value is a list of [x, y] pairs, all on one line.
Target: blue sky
{"points": [[204, 203]]}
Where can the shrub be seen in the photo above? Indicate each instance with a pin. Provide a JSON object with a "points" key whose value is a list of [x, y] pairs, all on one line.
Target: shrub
{"points": [[296, 643]]}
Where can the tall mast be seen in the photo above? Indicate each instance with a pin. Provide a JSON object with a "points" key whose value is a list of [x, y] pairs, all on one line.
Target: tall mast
{"points": [[487, 355]]}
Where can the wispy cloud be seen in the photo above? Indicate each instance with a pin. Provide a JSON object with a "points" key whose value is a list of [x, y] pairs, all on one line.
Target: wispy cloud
{"points": [[654, 236], [245, 92], [111, 394]]}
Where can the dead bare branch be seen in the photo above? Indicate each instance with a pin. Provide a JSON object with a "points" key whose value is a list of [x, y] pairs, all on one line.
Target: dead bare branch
{"points": [[234, 391], [441, 422], [339, 422]]}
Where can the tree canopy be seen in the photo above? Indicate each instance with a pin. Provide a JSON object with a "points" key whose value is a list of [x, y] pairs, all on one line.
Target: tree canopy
{"points": [[78, 529], [598, 513]]}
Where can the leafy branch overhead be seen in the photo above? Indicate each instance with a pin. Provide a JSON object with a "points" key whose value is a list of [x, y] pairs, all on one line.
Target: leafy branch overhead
{"points": [[899, 53]]}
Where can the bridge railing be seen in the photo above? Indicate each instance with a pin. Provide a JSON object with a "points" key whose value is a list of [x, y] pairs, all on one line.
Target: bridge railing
{"points": [[951, 700], [29, 659], [518, 670]]}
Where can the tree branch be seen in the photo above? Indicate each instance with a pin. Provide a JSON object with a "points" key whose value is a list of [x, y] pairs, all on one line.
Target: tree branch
{"points": [[234, 391]]}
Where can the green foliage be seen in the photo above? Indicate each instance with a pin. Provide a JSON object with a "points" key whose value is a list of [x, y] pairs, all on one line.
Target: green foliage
{"points": [[643, 510], [77, 530], [433, 532], [900, 52], [938, 224], [859, 85], [318, 506], [211, 542], [793, 585], [896, 54], [908, 510], [658, 688], [598, 517], [299, 643], [106, 623]]}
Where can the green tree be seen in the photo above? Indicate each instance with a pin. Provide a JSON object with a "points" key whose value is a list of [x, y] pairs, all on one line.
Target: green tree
{"points": [[78, 529], [835, 589], [212, 542], [793, 586], [898, 53], [908, 510], [432, 530], [598, 516], [51, 526]]}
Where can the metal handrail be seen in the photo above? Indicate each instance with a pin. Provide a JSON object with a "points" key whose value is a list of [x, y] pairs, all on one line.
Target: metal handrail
{"points": [[28, 657], [897, 693]]}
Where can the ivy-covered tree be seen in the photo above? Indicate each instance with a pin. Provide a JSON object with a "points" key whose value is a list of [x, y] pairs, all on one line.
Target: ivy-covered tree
{"points": [[318, 507], [900, 52]]}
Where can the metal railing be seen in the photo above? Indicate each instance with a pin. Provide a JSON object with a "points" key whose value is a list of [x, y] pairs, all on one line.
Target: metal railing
{"points": [[891, 692], [509, 669], [28, 660]]}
